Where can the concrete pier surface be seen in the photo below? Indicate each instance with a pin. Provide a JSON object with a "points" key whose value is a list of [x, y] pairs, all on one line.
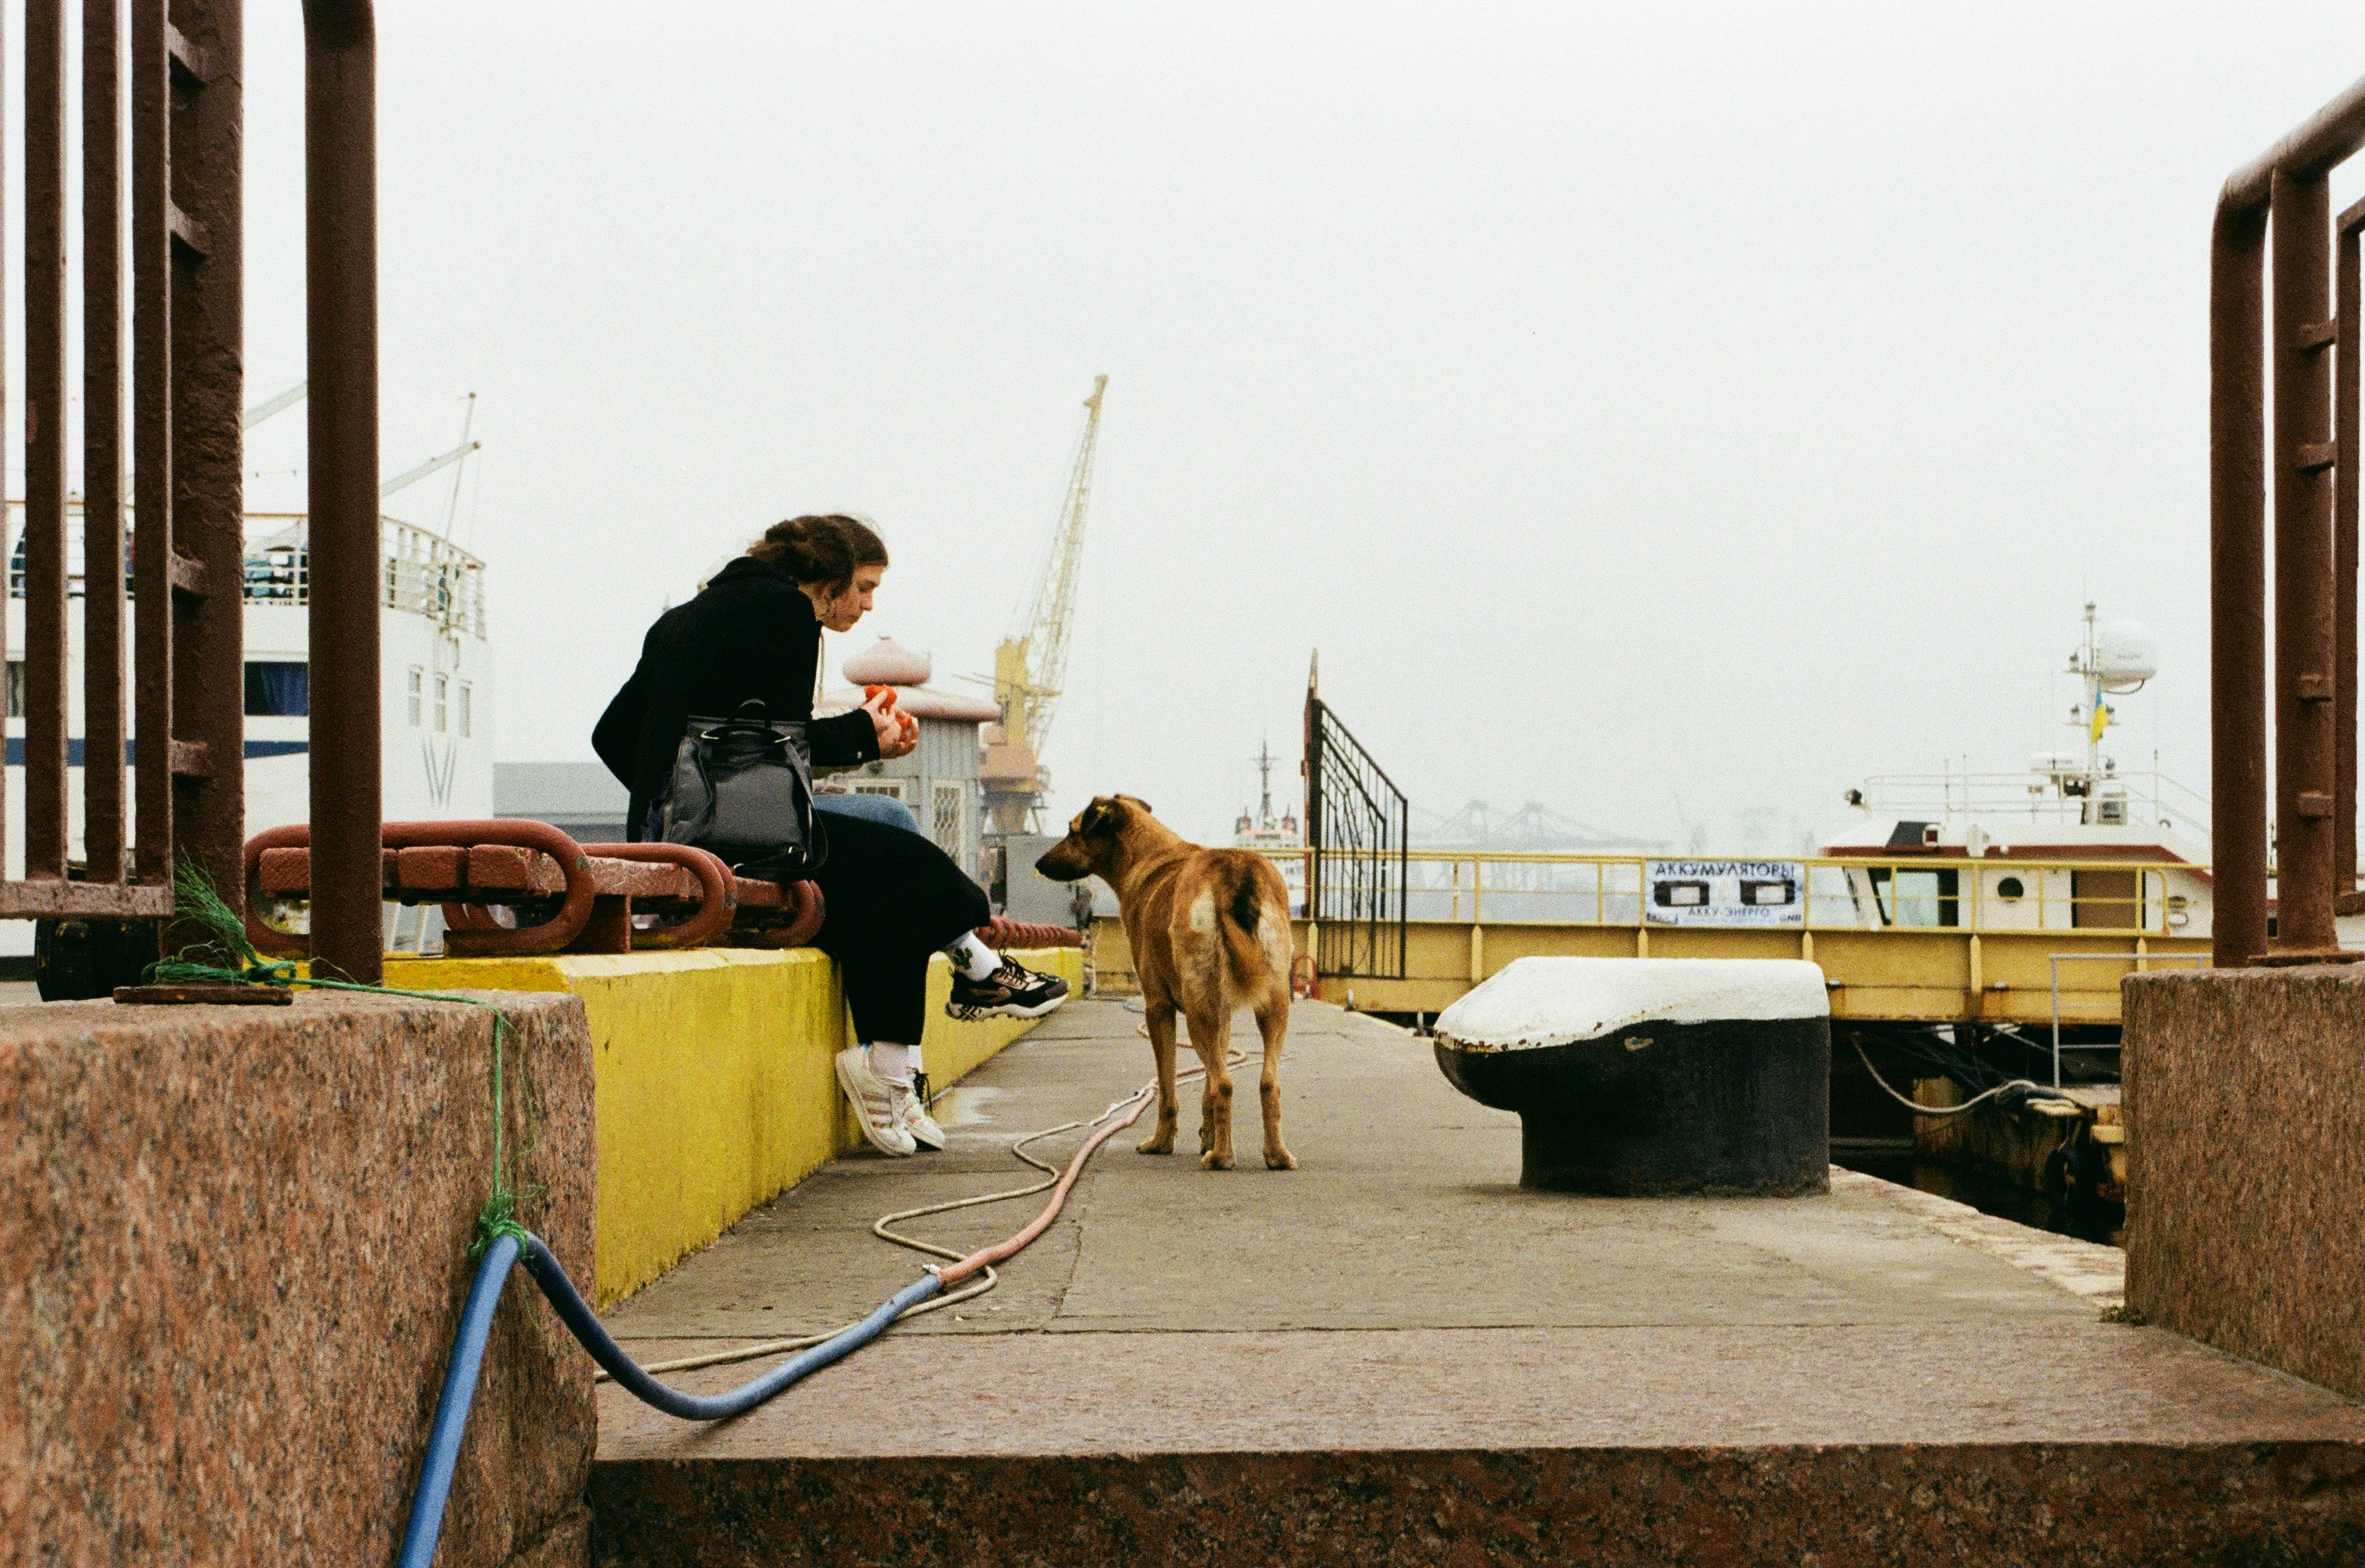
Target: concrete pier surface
{"points": [[1394, 1354]]}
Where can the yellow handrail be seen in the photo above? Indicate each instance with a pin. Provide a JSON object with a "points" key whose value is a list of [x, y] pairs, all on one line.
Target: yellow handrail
{"points": [[1900, 894]]}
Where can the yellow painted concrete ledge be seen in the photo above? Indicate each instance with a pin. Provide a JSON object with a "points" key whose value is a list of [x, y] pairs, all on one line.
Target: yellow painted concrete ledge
{"points": [[714, 1091]]}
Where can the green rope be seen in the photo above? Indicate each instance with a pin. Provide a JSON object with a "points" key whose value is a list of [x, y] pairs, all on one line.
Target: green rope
{"points": [[227, 957]]}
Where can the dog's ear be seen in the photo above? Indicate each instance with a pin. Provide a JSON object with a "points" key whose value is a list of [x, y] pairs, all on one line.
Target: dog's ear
{"points": [[1094, 817]]}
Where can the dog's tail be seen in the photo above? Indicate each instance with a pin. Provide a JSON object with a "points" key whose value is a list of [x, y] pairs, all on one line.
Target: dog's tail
{"points": [[1249, 943], [1244, 906]]}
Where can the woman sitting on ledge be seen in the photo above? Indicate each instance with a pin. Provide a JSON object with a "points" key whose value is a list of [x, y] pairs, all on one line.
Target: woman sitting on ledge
{"points": [[892, 898]]}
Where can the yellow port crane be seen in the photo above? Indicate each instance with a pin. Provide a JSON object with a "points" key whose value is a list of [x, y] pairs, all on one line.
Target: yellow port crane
{"points": [[1031, 662]]}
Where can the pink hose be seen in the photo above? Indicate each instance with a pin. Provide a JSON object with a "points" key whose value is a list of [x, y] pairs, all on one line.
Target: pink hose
{"points": [[1010, 1245], [955, 1272]]}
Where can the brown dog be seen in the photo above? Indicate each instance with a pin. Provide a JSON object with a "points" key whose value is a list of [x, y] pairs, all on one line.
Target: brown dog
{"points": [[1210, 930]]}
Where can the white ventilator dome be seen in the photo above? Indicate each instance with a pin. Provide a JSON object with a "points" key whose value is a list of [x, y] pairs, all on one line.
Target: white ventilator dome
{"points": [[2127, 655]]}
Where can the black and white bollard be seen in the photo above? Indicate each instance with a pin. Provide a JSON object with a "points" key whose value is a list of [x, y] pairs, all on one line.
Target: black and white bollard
{"points": [[1653, 1076]]}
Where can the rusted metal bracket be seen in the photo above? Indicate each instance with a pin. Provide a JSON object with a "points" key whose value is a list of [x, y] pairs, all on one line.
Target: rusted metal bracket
{"points": [[1001, 932], [278, 862], [762, 914], [717, 904], [562, 896]]}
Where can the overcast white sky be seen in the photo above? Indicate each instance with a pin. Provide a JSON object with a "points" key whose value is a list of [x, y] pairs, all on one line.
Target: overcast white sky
{"points": [[1628, 401]]}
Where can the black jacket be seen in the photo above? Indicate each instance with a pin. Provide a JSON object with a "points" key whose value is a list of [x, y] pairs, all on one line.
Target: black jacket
{"points": [[751, 635]]}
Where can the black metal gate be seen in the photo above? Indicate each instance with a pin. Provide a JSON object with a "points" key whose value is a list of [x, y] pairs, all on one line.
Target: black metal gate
{"points": [[1357, 822]]}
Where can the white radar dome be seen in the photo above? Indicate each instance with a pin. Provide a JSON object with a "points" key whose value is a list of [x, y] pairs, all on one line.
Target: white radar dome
{"points": [[2128, 656]]}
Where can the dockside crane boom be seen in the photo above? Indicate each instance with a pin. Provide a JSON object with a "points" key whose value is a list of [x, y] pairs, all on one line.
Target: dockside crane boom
{"points": [[1031, 663]]}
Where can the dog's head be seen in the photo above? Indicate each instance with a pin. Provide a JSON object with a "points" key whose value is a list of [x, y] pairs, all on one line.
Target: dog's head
{"points": [[1092, 839]]}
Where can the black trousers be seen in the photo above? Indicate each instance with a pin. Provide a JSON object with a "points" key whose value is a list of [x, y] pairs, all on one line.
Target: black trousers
{"points": [[892, 899]]}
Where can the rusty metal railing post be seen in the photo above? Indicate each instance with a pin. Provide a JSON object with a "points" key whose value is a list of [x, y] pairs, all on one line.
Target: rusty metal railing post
{"points": [[102, 442], [152, 556], [341, 284], [2237, 573], [204, 215], [45, 446], [2301, 235], [2348, 378]]}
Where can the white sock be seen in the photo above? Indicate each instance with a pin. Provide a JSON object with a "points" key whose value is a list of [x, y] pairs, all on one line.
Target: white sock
{"points": [[894, 1063], [973, 958]]}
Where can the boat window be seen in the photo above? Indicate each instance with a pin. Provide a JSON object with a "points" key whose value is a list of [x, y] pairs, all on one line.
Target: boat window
{"points": [[442, 702], [278, 688], [2112, 900], [468, 717], [15, 689], [1913, 897], [2011, 889], [417, 681]]}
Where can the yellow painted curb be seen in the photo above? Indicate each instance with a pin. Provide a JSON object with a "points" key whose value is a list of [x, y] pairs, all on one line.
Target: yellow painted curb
{"points": [[714, 1091]]}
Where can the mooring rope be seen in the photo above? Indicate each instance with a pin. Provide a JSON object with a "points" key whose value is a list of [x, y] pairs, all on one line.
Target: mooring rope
{"points": [[2032, 1089]]}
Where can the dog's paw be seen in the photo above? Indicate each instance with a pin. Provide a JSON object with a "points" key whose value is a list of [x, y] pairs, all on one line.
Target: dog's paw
{"points": [[1160, 1143], [1215, 1160], [1285, 1161]]}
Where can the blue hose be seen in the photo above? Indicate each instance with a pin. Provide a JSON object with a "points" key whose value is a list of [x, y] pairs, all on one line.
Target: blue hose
{"points": [[451, 1406], [577, 1315], [427, 1505]]}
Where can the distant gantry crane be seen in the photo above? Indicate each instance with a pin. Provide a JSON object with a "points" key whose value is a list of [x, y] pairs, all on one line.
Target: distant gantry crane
{"points": [[1031, 663]]}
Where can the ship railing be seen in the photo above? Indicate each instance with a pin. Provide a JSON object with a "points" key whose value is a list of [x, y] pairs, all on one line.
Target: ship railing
{"points": [[422, 571], [418, 570], [1900, 895], [2153, 799]]}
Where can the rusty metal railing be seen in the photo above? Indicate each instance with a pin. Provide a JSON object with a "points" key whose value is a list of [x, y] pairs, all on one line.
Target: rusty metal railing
{"points": [[2282, 199], [341, 322], [186, 615]]}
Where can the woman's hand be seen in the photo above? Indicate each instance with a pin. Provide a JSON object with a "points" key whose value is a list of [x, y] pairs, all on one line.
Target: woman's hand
{"points": [[899, 733]]}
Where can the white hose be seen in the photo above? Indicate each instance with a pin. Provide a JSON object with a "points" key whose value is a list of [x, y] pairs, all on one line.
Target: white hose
{"points": [[879, 1227]]}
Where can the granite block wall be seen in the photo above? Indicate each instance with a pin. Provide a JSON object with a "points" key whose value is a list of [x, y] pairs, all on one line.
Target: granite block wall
{"points": [[2246, 1163], [231, 1261]]}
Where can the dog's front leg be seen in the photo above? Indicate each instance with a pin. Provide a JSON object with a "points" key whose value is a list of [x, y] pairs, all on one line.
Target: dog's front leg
{"points": [[1160, 1017]]}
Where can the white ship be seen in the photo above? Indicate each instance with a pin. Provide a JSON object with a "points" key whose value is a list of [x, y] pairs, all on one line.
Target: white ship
{"points": [[435, 694]]}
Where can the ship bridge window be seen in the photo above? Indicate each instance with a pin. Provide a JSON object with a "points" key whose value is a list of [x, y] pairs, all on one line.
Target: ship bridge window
{"points": [[415, 683], [1912, 897], [278, 688], [467, 710], [442, 702]]}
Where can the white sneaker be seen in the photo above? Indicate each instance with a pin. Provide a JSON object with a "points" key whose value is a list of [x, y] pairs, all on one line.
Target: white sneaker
{"points": [[873, 1100], [913, 1118]]}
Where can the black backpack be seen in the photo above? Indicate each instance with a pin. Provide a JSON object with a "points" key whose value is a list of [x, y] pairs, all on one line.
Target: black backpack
{"points": [[742, 790]]}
